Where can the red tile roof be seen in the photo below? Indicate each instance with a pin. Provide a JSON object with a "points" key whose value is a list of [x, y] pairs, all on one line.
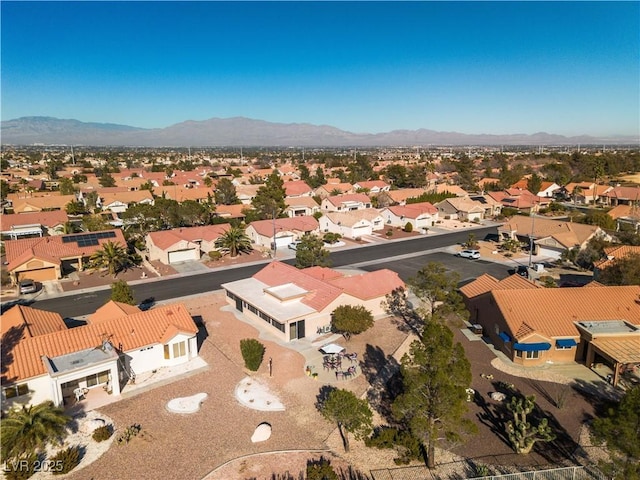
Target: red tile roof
{"points": [[53, 249], [132, 332], [300, 224], [296, 188], [413, 210], [111, 310], [48, 219], [32, 321], [369, 285], [166, 238]]}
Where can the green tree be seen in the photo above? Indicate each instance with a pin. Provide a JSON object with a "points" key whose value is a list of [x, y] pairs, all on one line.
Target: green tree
{"points": [[75, 208], [534, 183], [106, 180], [600, 218], [438, 290], [360, 170], [435, 376], [122, 292], [252, 353], [351, 320], [233, 242], [320, 469], [269, 199], [66, 186], [112, 256], [95, 223], [310, 252], [622, 271], [472, 242], [620, 430], [193, 213], [30, 428], [225, 192], [318, 178], [350, 413]]}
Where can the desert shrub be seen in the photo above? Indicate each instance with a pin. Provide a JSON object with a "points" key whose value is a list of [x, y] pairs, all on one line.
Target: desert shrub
{"points": [[320, 469], [408, 227], [481, 470], [389, 233], [408, 447], [331, 237], [252, 353], [215, 255], [130, 432], [22, 467], [548, 281], [65, 460], [102, 433]]}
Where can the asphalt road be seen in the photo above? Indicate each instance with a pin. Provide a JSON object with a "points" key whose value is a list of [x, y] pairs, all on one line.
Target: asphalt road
{"points": [[166, 289]]}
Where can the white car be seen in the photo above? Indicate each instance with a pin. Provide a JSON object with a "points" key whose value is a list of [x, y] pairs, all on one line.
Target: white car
{"points": [[28, 286], [294, 245], [473, 254]]}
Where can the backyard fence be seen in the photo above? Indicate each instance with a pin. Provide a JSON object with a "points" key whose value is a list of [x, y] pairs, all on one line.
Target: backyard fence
{"points": [[423, 473]]}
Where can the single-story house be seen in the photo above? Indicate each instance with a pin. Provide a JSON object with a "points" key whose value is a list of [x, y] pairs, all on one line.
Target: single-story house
{"points": [[612, 253], [333, 188], [551, 237], [353, 224], [372, 186], [345, 203], [297, 303], [48, 258], [626, 216], [534, 326], [297, 188], [460, 208], [621, 196], [420, 215], [492, 207], [40, 203], [49, 361], [301, 206], [36, 224], [183, 244], [118, 202], [285, 230]]}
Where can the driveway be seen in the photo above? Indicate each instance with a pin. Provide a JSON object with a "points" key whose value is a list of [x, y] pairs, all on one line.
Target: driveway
{"points": [[192, 266]]}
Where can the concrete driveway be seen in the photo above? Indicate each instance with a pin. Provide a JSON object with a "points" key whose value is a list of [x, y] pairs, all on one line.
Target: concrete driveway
{"points": [[191, 266]]}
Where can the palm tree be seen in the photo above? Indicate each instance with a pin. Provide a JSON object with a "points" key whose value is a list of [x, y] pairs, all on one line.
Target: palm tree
{"points": [[234, 241], [111, 256], [30, 428]]}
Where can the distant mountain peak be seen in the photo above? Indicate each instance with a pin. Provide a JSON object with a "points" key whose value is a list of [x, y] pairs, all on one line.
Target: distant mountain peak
{"points": [[243, 131]]}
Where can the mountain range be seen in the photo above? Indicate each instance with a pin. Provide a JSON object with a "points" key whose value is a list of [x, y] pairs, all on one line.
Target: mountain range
{"points": [[240, 131]]}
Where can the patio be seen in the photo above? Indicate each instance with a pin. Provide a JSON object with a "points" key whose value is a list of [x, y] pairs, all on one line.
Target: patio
{"points": [[332, 365]]}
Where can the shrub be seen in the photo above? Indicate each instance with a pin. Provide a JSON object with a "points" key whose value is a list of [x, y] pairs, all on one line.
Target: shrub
{"points": [[215, 255], [22, 467], [320, 469], [252, 353], [407, 446], [65, 460], [389, 233], [331, 237], [103, 433], [130, 432], [408, 227]]}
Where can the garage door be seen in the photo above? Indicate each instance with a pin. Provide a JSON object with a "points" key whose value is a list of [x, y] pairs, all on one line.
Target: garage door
{"points": [[183, 255], [284, 241], [549, 253], [39, 275]]}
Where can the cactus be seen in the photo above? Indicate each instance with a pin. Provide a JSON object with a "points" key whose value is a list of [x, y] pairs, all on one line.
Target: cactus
{"points": [[522, 434]]}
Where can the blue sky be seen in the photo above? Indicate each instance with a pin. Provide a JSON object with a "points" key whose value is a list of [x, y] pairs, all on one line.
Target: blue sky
{"points": [[474, 67]]}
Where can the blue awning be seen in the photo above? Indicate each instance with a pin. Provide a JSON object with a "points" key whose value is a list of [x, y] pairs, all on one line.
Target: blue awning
{"points": [[505, 336], [566, 342], [531, 347]]}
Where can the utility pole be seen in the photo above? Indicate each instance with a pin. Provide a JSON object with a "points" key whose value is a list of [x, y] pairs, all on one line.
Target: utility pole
{"points": [[533, 219]]}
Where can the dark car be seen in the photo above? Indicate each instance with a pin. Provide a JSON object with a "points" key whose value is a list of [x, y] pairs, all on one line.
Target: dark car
{"points": [[523, 271], [27, 286]]}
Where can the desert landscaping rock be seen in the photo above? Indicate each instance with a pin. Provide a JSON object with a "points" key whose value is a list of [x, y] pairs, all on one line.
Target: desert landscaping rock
{"points": [[262, 433], [186, 404]]}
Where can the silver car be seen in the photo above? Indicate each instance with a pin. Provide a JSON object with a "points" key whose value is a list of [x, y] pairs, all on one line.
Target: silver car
{"points": [[27, 286]]}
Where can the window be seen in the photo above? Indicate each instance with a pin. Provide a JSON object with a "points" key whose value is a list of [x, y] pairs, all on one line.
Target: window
{"points": [[558, 347], [179, 350], [16, 390], [528, 355], [166, 352], [97, 378]]}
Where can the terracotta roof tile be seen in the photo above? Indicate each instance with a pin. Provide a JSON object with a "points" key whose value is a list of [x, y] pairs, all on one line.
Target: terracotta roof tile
{"points": [[296, 188], [33, 321], [369, 285], [166, 238], [111, 310], [132, 332], [48, 219], [300, 224]]}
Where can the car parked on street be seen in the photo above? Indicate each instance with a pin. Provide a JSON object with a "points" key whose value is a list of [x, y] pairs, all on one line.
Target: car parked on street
{"points": [[27, 286], [472, 254], [523, 271]]}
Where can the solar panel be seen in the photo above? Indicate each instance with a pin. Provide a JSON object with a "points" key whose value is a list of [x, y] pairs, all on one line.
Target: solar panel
{"points": [[88, 239]]}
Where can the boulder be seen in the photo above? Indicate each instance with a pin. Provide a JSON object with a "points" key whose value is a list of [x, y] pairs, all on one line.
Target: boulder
{"points": [[262, 433], [498, 396]]}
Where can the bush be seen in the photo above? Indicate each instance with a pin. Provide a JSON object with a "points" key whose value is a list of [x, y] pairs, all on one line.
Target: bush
{"points": [[252, 353], [103, 433], [389, 233], [331, 237], [408, 227], [320, 469], [215, 255], [17, 469], [408, 447], [130, 432], [351, 320], [65, 460]]}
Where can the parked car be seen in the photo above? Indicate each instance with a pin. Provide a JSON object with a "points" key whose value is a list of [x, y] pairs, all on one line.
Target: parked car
{"points": [[523, 271], [473, 254], [294, 245], [27, 286]]}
